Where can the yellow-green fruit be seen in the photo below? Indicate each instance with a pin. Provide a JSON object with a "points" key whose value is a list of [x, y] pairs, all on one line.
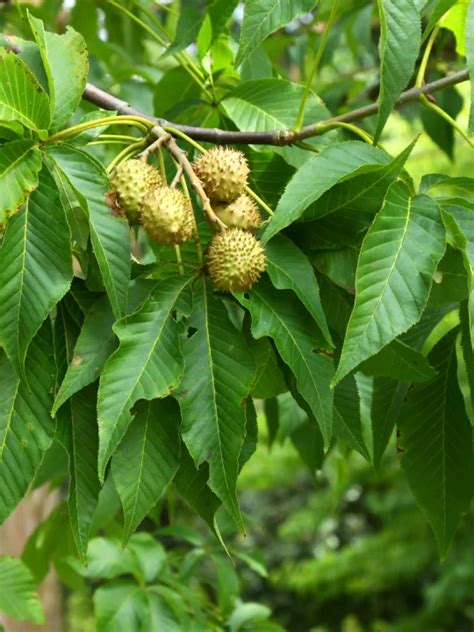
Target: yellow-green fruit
{"points": [[236, 260], [241, 213], [167, 215], [132, 181], [223, 173]]}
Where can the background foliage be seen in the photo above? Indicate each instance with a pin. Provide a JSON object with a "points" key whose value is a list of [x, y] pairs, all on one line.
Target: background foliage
{"points": [[337, 391]]}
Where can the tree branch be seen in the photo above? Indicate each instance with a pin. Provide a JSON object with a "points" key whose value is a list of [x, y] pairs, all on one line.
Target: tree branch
{"points": [[276, 137]]}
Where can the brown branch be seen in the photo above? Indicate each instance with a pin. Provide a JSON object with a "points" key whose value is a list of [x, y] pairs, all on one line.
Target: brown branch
{"points": [[276, 137]]}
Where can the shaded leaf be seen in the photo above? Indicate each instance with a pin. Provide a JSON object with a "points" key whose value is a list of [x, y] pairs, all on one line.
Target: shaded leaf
{"points": [[146, 460], [77, 431], [191, 483], [436, 445], [289, 269], [347, 420], [387, 399], [278, 314], [399, 361], [26, 427]]}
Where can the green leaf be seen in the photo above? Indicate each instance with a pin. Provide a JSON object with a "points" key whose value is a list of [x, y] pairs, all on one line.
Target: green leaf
{"points": [[22, 99], [264, 105], [362, 193], [399, 45], [397, 262], [20, 162], [95, 344], [470, 58], [187, 29], [289, 269], [219, 371], [308, 441], [435, 13], [278, 314], [26, 427], [347, 420], [123, 606], [387, 399], [77, 431], [18, 597], [251, 435], [436, 445], [191, 483], [319, 174], [35, 268], [456, 21], [66, 65], [109, 234], [148, 363], [146, 460], [264, 17], [269, 380], [399, 361]]}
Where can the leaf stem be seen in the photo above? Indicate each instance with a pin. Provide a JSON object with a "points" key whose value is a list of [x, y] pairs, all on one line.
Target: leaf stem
{"points": [[325, 127], [316, 62], [197, 239], [179, 259], [142, 123], [259, 200], [420, 78], [128, 151], [449, 119]]}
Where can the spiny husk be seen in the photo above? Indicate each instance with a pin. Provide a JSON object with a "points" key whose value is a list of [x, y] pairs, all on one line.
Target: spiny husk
{"points": [[236, 259]]}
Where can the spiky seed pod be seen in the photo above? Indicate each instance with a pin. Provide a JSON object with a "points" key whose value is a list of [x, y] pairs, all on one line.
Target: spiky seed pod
{"points": [[132, 180], [223, 173], [241, 213], [236, 260], [167, 215]]}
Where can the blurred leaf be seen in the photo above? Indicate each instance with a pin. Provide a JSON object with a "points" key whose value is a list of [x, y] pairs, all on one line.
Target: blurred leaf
{"points": [[18, 596]]}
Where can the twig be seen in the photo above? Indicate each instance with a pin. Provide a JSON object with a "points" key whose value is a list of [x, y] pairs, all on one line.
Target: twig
{"points": [[276, 137], [177, 177], [182, 159], [153, 147]]}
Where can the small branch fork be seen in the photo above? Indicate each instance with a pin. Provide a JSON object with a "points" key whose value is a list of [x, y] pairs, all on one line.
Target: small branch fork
{"points": [[164, 139], [276, 137]]}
